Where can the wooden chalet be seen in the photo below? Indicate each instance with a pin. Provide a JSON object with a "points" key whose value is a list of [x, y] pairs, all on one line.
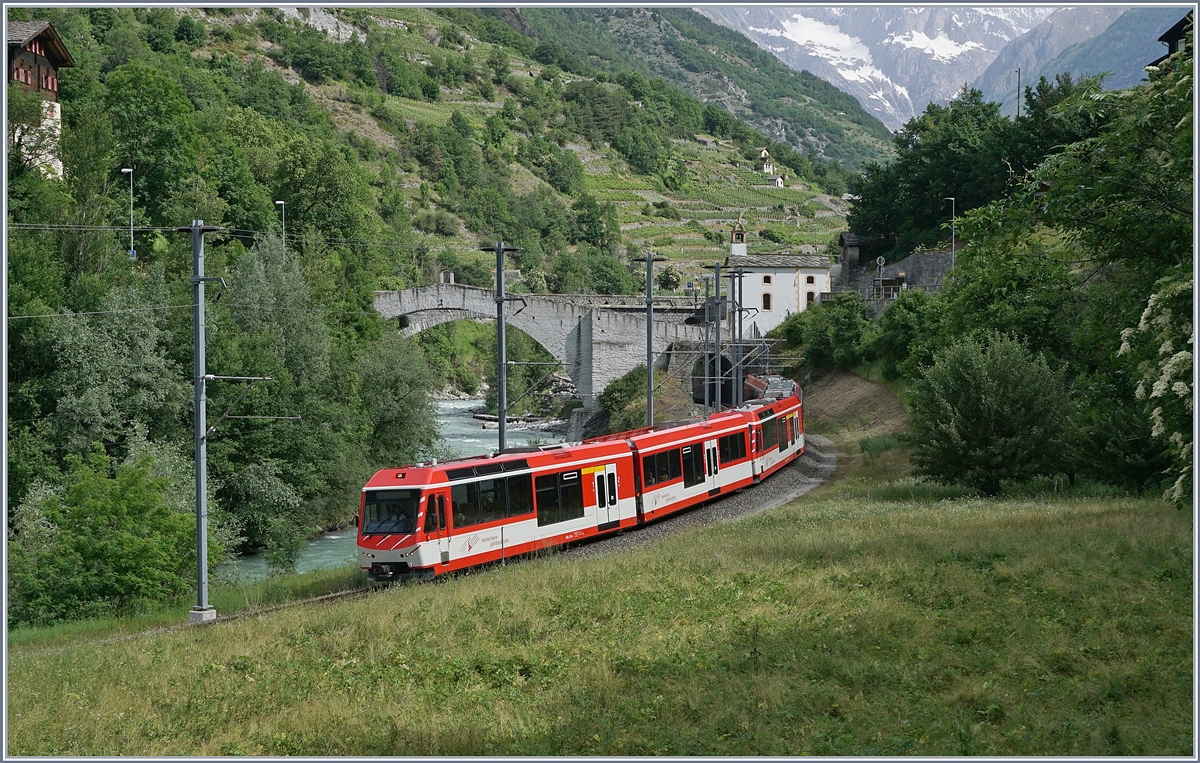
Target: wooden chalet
{"points": [[35, 54]]}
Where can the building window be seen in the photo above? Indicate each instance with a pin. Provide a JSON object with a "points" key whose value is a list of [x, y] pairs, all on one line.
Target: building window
{"points": [[766, 280], [810, 279], [766, 302], [812, 297]]}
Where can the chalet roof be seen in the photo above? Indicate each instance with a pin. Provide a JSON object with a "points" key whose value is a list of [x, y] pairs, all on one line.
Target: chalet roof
{"points": [[774, 177], [777, 261], [1177, 32], [853, 239], [21, 33]]}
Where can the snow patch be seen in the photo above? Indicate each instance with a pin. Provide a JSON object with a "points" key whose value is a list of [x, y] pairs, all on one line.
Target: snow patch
{"points": [[939, 48]]}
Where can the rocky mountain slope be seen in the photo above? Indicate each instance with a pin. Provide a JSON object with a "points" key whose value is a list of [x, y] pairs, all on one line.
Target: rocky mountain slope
{"points": [[1030, 51], [1123, 49], [716, 65], [893, 60]]}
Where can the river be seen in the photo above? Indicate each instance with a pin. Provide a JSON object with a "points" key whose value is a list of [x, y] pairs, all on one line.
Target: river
{"points": [[464, 436]]}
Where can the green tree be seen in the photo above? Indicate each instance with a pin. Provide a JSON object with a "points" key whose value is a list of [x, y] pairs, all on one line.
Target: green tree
{"points": [[153, 131], [954, 150], [395, 386], [987, 412], [833, 334], [107, 543]]}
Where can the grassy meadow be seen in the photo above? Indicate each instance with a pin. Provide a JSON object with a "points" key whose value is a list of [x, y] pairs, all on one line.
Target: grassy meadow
{"points": [[874, 616]]}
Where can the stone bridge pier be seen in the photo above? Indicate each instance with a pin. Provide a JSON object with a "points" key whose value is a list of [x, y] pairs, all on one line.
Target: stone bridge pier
{"points": [[597, 338]]}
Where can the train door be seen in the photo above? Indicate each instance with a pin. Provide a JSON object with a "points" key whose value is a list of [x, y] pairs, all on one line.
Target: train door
{"points": [[712, 466], [606, 494], [435, 525]]}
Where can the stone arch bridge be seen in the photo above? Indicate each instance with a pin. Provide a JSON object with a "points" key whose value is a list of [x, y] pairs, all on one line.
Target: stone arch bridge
{"points": [[597, 338]]}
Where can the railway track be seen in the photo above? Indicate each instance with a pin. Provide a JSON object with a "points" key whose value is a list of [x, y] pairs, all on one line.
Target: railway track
{"points": [[805, 473]]}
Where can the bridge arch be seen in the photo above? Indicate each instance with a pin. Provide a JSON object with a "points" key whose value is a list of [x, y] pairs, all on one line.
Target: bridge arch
{"points": [[597, 338]]}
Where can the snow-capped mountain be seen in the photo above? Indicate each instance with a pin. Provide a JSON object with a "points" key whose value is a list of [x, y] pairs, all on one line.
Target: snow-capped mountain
{"points": [[894, 60]]}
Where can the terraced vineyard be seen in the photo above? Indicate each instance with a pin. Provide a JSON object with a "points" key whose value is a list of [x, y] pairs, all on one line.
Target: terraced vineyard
{"points": [[720, 189]]}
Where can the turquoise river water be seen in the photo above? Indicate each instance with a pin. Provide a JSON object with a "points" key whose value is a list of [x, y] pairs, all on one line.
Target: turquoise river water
{"points": [[464, 435]]}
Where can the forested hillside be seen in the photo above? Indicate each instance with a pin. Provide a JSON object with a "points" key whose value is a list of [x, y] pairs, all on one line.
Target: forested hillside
{"points": [[715, 64], [390, 144], [1061, 343]]}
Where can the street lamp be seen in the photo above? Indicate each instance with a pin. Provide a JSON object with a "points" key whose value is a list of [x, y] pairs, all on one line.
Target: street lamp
{"points": [[952, 218], [129, 171], [283, 223]]}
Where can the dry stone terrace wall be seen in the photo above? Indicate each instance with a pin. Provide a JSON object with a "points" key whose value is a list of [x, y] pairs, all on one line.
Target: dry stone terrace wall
{"points": [[597, 338]]}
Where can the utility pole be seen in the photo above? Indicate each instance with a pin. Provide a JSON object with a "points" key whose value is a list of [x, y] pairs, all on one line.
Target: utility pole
{"points": [[707, 364], [202, 612], [717, 334], [953, 217], [501, 343], [1018, 92], [129, 171], [650, 260], [740, 353]]}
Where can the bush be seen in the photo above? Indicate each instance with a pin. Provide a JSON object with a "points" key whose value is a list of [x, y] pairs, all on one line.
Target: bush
{"points": [[988, 411], [621, 392], [832, 335], [190, 32], [106, 544], [906, 330], [437, 221]]}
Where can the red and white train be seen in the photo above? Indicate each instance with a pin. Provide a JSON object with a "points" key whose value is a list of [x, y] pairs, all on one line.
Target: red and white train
{"points": [[430, 519]]}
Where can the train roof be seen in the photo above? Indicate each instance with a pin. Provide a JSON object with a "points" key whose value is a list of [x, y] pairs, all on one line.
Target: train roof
{"points": [[510, 460]]}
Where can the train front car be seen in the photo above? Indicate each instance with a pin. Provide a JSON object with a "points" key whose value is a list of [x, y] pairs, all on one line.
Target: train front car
{"points": [[398, 524], [425, 521]]}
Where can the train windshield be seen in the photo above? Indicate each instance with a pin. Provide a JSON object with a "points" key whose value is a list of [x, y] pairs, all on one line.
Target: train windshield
{"points": [[392, 512]]}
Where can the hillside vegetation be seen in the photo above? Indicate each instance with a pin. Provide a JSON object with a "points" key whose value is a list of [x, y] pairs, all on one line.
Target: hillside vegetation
{"points": [[1061, 341], [390, 143]]}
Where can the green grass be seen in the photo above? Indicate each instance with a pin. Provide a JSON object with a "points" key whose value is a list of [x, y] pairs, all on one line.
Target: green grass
{"points": [[227, 598], [876, 616]]}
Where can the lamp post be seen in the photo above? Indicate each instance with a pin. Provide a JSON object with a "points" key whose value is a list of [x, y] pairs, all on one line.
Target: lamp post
{"points": [[953, 216], [129, 171], [650, 260], [283, 223]]}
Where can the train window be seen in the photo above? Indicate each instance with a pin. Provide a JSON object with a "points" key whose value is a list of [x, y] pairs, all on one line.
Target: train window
{"points": [[612, 489], [662, 467], [489, 500], [493, 500], [464, 503], [770, 436], [559, 497], [732, 447], [601, 493], [390, 512], [520, 495], [693, 465], [431, 523], [649, 473]]}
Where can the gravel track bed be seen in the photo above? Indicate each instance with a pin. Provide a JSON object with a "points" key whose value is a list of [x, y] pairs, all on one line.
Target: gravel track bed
{"points": [[794, 480]]}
